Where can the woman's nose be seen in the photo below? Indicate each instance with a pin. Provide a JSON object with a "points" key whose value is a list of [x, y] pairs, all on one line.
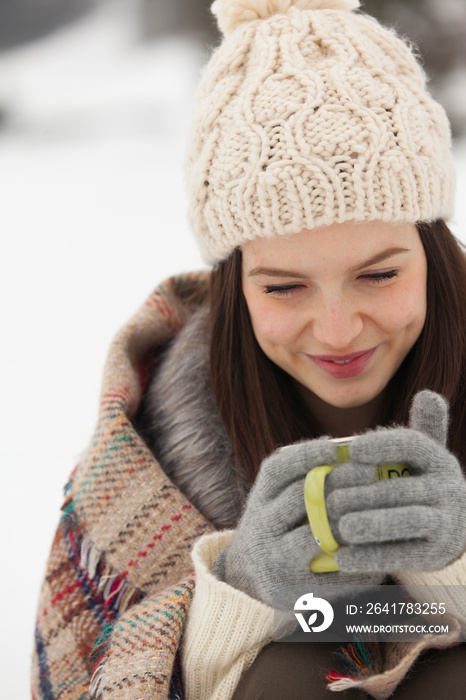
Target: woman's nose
{"points": [[337, 323]]}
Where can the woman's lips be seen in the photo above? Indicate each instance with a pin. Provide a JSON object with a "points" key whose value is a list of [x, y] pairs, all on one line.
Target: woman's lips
{"points": [[343, 366]]}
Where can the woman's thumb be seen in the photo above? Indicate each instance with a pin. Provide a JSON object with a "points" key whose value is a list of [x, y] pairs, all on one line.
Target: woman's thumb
{"points": [[429, 415]]}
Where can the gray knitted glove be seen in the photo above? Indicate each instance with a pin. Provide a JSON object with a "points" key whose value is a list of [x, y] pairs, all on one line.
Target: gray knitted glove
{"points": [[272, 549], [403, 524]]}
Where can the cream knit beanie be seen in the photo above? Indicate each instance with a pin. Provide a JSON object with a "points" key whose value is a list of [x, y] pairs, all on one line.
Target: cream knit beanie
{"points": [[310, 114]]}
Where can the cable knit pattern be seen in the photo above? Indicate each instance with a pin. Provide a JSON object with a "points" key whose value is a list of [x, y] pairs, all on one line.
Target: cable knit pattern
{"points": [[308, 118]]}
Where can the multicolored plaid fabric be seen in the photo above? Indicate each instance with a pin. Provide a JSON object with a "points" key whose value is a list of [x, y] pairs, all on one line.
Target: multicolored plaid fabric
{"points": [[119, 577]]}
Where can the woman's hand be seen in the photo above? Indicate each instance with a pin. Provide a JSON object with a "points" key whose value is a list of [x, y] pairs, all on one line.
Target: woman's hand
{"points": [[272, 548], [403, 524]]}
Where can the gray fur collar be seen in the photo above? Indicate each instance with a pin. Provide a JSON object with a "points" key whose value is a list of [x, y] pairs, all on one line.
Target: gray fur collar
{"points": [[184, 430]]}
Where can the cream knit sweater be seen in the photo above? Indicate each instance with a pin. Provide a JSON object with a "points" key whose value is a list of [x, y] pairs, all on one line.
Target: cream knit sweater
{"points": [[226, 629]]}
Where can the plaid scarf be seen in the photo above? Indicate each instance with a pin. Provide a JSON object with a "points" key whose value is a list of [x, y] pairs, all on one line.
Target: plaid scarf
{"points": [[119, 577]]}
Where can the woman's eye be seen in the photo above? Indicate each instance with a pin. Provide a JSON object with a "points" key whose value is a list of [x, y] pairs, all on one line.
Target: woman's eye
{"points": [[380, 276], [281, 290]]}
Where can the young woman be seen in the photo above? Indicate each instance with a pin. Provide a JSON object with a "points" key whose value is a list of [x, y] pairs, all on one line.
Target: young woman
{"points": [[320, 180]]}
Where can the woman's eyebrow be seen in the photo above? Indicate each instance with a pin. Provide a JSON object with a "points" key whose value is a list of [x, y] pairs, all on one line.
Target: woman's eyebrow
{"points": [[279, 272], [276, 272], [379, 257]]}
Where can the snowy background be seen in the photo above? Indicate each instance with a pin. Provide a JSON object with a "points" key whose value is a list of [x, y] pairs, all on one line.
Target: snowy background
{"points": [[92, 217]]}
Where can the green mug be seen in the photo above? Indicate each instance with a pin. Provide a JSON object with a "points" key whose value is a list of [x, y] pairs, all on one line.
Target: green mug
{"points": [[314, 499]]}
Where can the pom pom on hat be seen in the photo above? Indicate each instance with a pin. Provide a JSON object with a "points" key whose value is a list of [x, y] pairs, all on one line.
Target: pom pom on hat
{"points": [[231, 13]]}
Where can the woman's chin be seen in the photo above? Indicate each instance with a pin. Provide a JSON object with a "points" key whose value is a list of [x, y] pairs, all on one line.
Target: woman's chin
{"points": [[346, 400]]}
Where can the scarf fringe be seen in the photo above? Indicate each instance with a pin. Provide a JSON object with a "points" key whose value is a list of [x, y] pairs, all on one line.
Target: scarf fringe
{"points": [[379, 688], [118, 594], [117, 591], [390, 665], [356, 662], [98, 659], [343, 683], [97, 684]]}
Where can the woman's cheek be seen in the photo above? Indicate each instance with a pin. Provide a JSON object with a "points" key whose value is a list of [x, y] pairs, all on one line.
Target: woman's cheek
{"points": [[402, 310], [273, 324]]}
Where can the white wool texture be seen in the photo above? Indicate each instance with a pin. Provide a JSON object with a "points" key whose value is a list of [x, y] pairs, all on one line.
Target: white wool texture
{"points": [[231, 13], [312, 118]]}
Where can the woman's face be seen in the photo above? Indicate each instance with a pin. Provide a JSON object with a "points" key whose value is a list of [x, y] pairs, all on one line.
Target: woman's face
{"points": [[339, 307]]}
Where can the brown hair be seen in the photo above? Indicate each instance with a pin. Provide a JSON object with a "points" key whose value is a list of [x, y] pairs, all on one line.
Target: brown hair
{"points": [[260, 406]]}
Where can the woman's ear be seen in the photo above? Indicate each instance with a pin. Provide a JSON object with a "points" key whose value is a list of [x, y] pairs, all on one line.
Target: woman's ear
{"points": [[429, 415]]}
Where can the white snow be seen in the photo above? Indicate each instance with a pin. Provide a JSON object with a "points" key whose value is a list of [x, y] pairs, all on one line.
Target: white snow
{"points": [[92, 217]]}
